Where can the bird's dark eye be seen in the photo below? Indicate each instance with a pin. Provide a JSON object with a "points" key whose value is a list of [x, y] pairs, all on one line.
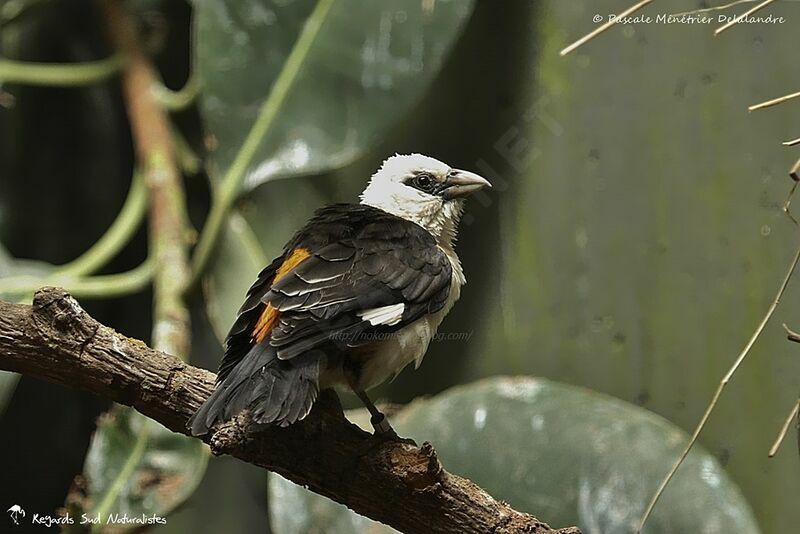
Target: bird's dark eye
{"points": [[423, 181]]}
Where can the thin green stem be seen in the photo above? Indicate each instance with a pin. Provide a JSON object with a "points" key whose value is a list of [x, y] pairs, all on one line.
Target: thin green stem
{"points": [[113, 285], [225, 195], [59, 74], [176, 100], [101, 286], [118, 234], [187, 158]]}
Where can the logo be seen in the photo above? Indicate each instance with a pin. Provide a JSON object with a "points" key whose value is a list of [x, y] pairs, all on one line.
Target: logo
{"points": [[16, 512]]}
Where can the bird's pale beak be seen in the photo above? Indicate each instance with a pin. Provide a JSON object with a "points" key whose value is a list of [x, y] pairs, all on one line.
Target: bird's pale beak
{"points": [[460, 184]]}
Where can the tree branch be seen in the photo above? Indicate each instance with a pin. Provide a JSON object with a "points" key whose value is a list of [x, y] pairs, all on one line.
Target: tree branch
{"points": [[399, 484], [169, 223]]}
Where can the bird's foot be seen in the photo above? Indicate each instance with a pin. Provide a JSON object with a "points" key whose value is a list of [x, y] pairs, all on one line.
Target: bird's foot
{"points": [[385, 432]]}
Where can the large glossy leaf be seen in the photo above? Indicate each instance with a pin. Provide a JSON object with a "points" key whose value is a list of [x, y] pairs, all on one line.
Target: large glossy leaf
{"points": [[137, 467], [567, 454], [369, 63]]}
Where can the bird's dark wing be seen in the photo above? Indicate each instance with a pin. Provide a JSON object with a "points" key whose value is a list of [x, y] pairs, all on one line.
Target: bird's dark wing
{"points": [[347, 261], [239, 339], [357, 287]]}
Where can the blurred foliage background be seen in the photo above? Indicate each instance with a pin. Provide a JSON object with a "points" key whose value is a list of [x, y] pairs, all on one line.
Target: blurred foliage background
{"points": [[633, 240]]}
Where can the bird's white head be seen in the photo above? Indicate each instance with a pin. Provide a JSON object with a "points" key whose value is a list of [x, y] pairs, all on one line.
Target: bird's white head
{"points": [[423, 190]]}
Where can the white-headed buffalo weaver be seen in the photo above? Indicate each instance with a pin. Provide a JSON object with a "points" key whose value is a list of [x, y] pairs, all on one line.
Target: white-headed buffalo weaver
{"points": [[356, 296]]}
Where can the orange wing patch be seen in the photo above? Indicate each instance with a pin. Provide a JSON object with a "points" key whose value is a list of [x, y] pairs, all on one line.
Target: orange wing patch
{"points": [[269, 317]]}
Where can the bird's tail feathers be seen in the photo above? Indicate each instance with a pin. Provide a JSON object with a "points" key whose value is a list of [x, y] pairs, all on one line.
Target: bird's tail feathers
{"points": [[275, 391]]}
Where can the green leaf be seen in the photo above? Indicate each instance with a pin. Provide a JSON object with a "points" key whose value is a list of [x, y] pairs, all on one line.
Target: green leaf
{"points": [[137, 467], [364, 70], [566, 454], [13, 267]]}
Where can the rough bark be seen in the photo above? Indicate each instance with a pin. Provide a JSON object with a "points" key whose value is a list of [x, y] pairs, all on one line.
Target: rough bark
{"points": [[396, 483]]}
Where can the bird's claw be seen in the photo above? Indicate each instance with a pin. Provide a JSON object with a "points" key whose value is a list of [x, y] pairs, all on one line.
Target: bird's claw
{"points": [[385, 432], [381, 425]]}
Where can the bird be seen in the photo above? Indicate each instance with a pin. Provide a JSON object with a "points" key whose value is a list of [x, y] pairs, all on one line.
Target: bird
{"points": [[356, 296]]}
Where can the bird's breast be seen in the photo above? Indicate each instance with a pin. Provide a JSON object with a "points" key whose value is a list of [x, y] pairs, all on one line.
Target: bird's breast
{"points": [[385, 357]]}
